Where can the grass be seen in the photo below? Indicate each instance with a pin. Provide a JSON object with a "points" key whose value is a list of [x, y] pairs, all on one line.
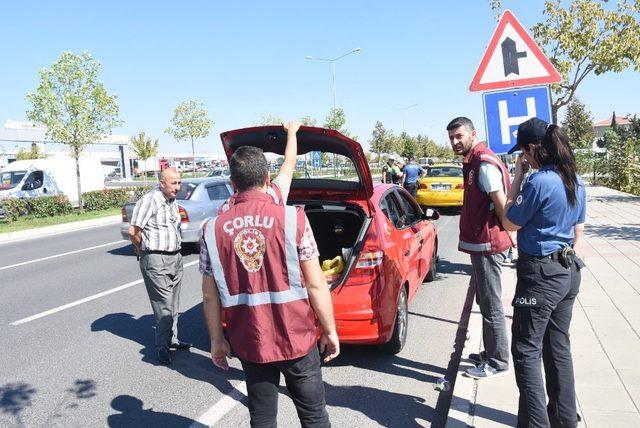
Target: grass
{"points": [[30, 222]]}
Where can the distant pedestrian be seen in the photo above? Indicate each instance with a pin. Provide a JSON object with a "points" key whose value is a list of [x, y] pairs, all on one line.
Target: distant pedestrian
{"points": [[549, 215], [411, 173], [260, 269], [486, 182], [390, 172], [154, 231]]}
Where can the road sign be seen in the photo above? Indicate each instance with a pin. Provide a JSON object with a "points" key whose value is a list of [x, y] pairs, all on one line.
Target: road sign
{"points": [[505, 110], [513, 60], [316, 158]]}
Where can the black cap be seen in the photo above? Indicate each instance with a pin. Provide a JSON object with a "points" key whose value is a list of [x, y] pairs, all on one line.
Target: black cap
{"points": [[530, 131]]}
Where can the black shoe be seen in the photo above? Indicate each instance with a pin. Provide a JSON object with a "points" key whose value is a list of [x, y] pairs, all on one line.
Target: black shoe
{"points": [[478, 359], [180, 345], [163, 355]]}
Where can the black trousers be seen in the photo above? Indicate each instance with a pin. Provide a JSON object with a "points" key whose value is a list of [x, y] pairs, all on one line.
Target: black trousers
{"points": [[543, 305], [303, 378], [412, 188]]}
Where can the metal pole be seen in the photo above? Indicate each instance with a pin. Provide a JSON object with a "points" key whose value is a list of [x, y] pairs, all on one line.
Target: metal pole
{"points": [[333, 75]]}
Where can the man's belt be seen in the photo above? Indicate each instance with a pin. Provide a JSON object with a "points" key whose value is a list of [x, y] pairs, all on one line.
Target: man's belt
{"points": [[164, 253]]}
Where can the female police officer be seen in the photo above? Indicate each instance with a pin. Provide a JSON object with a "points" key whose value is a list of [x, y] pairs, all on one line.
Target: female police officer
{"points": [[549, 214]]}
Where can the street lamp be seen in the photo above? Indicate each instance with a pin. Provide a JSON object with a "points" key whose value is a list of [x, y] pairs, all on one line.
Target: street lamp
{"points": [[333, 76], [333, 68], [402, 110]]}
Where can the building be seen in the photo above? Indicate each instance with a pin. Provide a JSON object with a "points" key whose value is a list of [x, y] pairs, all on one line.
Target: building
{"points": [[602, 125]]}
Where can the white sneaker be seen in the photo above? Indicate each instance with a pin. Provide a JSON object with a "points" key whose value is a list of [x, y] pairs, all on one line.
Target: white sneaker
{"points": [[484, 371]]}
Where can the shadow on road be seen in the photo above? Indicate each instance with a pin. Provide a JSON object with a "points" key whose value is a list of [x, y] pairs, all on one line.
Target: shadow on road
{"points": [[191, 328], [14, 398], [132, 414], [126, 250], [445, 266]]}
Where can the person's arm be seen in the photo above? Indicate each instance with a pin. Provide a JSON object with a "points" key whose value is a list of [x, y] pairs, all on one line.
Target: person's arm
{"points": [[285, 174], [521, 168], [220, 349], [578, 231], [320, 299], [135, 236]]}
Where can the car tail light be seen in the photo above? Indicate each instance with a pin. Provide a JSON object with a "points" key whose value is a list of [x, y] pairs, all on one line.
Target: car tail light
{"points": [[125, 219], [423, 186], [370, 260], [184, 217], [459, 186]]}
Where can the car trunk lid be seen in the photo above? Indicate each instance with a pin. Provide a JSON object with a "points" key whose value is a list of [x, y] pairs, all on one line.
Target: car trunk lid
{"points": [[310, 139]]}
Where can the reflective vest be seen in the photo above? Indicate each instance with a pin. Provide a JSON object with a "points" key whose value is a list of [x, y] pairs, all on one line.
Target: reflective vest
{"points": [[481, 231], [253, 247]]}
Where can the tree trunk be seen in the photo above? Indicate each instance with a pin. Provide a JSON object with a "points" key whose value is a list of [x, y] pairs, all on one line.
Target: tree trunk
{"points": [[193, 158], [76, 155], [554, 114]]}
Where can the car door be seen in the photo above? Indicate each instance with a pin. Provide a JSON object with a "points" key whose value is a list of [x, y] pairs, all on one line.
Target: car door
{"points": [[413, 236]]}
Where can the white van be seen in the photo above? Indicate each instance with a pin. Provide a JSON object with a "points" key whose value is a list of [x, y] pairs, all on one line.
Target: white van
{"points": [[48, 177]]}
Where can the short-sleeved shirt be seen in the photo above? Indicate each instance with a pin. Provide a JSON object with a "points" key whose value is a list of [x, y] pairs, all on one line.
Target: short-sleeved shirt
{"points": [[412, 172], [543, 212], [392, 172], [490, 178], [307, 250], [159, 219], [282, 182]]}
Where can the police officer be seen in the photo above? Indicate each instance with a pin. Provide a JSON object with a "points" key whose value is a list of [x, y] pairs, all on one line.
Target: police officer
{"points": [[548, 213], [254, 257]]}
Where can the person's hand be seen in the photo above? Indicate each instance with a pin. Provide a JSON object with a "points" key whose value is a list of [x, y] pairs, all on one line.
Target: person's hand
{"points": [[522, 166], [220, 351], [292, 126], [329, 346], [138, 249]]}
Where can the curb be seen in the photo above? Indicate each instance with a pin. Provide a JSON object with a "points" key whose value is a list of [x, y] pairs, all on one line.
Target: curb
{"points": [[57, 229]]}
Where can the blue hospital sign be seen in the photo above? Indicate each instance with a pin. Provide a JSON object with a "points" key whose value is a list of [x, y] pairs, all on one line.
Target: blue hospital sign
{"points": [[505, 110]]}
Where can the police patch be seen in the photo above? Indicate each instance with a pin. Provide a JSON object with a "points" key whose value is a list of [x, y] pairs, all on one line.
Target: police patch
{"points": [[519, 199], [249, 246]]}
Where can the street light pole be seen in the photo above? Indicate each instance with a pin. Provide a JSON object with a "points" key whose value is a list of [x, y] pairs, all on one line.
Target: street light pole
{"points": [[402, 110], [333, 78]]}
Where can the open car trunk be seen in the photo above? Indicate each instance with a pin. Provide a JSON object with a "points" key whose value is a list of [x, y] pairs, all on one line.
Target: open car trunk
{"points": [[339, 230]]}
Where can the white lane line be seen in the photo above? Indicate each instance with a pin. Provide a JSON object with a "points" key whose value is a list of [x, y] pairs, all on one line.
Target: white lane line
{"points": [[222, 407], [85, 300], [62, 254]]}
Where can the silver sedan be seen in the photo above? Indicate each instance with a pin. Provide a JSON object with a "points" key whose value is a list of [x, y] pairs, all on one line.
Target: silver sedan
{"points": [[198, 200]]}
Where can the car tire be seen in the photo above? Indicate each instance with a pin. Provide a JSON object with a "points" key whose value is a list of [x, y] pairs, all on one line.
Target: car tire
{"points": [[400, 326], [433, 264]]}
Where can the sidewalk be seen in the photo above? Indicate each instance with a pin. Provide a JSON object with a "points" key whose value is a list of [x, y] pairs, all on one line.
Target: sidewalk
{"points": [[605, 331]]}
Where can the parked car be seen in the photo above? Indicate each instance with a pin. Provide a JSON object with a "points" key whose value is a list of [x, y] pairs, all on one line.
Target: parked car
{"points": [[388, 244], [49, 177], [198, 199], [219, 172], [442, 186]]}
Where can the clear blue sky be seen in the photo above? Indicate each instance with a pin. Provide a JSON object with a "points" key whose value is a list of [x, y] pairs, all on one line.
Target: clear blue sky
{"points": [[246, 59]]}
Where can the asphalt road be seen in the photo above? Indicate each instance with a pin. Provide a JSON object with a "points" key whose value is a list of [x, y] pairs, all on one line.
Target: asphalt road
{"points": [[76, 334]]}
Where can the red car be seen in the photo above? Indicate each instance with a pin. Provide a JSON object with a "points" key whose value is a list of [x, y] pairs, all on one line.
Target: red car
{"points": [[389, 245]]}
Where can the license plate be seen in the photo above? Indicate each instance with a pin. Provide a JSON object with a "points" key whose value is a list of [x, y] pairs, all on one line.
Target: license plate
{"points": [[440, 186]]}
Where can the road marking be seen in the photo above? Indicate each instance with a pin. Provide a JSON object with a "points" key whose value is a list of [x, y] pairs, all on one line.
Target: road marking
{"points": [[222, 407], [62, 254], [85, 300]]}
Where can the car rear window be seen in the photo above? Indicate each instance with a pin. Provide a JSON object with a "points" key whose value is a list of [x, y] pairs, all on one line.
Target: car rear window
{"points": [[444, 171], [186, 190], [218, 192]]}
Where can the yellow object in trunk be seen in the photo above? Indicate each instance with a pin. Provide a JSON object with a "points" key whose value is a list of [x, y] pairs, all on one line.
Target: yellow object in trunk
{"points": [[333, 266]]}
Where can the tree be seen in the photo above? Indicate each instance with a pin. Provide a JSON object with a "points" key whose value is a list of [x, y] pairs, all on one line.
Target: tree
{"points": [[336, 120], [33, 153], [308, 121], [621, 169], [73, 104], [144, 147], [269, 119], [381, 140], [190, 121], [578, 124], [407, 146], [584, 38]]}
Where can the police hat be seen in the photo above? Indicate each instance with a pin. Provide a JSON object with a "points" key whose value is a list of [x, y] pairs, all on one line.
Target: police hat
{"points": [[530, 131]]}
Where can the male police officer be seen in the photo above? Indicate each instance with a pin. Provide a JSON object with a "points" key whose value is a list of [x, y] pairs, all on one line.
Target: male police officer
{"points": [[483, 237], [255, 256], [411, 173]]}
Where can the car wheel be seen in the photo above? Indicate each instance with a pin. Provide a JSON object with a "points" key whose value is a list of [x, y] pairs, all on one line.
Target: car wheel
{"points": [[433, 264], [399, 336]]}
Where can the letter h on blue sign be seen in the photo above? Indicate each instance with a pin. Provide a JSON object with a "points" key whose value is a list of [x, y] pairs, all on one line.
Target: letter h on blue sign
{"points": [[505, 110]]}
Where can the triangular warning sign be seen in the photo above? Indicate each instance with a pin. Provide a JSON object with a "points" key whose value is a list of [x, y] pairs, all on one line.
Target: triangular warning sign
{"points": [[513, 59]]}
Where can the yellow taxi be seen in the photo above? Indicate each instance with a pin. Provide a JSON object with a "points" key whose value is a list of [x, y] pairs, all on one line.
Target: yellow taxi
{"points": [[442, 186]]}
